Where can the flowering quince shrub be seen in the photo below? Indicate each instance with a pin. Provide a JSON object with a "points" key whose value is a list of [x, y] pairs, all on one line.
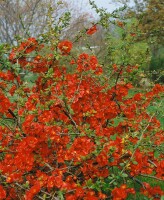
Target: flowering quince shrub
{"points": [[75, 135]]}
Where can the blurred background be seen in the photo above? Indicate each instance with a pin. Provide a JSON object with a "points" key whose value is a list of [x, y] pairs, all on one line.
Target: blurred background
{"points": [[144, 21]]}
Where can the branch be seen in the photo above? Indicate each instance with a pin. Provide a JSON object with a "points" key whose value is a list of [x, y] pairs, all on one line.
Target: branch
{"points": [[153, 177], [137, 181], [11, 112]]}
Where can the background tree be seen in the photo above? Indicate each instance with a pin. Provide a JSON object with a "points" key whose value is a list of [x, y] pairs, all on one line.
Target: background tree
{"points": [[26, 18], [151, 23], [150, 17]]}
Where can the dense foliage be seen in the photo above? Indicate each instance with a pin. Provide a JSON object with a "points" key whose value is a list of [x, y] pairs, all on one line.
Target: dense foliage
{"points": [[70, 130]]}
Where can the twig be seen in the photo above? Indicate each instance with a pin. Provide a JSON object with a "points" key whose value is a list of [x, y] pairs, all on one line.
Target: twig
{"points": [[149, 176], [137, 181], [152, 162]]}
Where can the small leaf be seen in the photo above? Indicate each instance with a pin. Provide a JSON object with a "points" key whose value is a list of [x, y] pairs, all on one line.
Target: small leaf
{"points": [[162, 197], [135, 162], [122, 164], [49, 142], [124, 175], [60, 195], [115, 183], [156, 154], [50, 71], [117, 121], [113, 137]]}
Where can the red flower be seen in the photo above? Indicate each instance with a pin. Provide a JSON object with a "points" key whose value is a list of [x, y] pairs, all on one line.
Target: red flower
{"points": [[2, 193], [32, 192], [150, 191], [14, 177], [55, 181], [119, 193], [122, 192], [65, 47], [102, 159], [92, 30], [29, 45], [133, 34], [79, 192], [120, 24]]}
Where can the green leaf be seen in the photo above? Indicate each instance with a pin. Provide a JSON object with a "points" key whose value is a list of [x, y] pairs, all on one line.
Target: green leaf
{"points": [[50, 71], [122, 164], [124, 175], [135, 162], [44, 196], [115, 183], [89, 183], [61, 195], [113, 137], [17, 136], [117, 121], [156, 154], [162, 197], [26, 185], [49, 142]]}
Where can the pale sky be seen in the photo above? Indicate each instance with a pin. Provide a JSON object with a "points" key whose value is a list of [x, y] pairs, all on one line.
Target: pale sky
{"points": [[108, 4], [105, 4]]}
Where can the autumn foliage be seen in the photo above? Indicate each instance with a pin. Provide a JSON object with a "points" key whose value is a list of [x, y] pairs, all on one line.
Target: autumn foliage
{"points": [[75, 135]]}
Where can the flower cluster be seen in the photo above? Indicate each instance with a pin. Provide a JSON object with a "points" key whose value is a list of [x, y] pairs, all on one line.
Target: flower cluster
{"points": [[75, 135]]}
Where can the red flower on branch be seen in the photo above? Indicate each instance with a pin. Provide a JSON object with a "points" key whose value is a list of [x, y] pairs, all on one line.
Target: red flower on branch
{"points": [[122, 192], [70, 129], [29, 45], [120, 24], [152, 192], [2, 193], [92, 30], [33, 191], [65, 47]]}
